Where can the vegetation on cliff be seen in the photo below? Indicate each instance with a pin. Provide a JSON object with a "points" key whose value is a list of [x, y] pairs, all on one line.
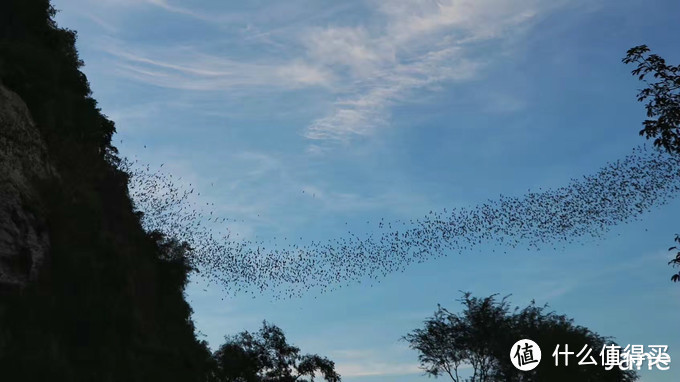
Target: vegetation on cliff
{"points": [[109, 303]]}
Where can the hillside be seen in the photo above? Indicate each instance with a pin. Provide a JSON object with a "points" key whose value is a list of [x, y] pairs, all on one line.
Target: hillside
{"points": [[86, 293]]}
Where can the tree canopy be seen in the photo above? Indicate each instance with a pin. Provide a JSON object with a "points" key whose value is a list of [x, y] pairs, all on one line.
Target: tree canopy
{"points": [[662, 96], [482, 335], [266, 356], [663, 107]]}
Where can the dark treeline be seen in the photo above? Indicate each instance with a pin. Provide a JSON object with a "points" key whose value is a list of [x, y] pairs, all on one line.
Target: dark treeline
{"points": [[477, 342]]}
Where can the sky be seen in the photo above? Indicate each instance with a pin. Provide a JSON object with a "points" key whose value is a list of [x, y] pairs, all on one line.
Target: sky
{"points": [[297, 117]]}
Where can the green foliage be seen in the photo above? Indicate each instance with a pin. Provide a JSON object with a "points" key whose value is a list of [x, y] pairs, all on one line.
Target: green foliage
{"points": [[663, 97], [482, 336], [39, 61], [267, 357], [663, 103]]}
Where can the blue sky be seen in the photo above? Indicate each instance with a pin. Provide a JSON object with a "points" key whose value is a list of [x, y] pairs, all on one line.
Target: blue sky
{"points": [[390, 109]]}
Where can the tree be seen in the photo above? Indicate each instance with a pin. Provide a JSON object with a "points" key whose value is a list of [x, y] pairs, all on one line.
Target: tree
{"points": [[675, 261], [663, 97], [482, 335], [663, 103], [267, 357]]}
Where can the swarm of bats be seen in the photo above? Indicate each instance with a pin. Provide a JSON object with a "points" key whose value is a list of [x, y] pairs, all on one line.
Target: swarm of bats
{"points": [[619, 192]]}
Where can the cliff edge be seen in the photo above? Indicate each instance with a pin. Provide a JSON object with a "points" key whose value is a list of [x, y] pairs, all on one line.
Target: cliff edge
{"points": [[86, 294]]}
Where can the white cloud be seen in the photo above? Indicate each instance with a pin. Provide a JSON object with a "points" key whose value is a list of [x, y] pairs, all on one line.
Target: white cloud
{"points": [[349, 48], [393, 50], [176, 9], [302, 74], [367, 106], [416, 45], [470, 19], [189, 69]]}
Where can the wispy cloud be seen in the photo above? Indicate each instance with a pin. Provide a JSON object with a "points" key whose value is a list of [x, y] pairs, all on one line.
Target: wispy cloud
{"points": [[166, 5], [366, 106], [397, 48], [189, 69], [181, 10], [412, 45]]}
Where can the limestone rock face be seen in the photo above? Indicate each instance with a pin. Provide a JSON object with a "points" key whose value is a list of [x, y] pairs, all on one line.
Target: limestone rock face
{"points": [[24, 241]]}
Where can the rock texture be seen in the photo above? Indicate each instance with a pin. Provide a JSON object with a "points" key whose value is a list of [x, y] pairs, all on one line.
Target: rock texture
{"points": [[24, 241]]}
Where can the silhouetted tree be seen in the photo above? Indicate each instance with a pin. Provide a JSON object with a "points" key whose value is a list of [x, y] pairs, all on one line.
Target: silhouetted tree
{"points": [[676, 261], [267, 357], [663, 97], [663, 106], [482, 335]]}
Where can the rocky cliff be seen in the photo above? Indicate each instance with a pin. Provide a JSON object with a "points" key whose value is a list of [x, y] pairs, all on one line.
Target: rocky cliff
{"points": [[24, 241], [86, 294]]}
